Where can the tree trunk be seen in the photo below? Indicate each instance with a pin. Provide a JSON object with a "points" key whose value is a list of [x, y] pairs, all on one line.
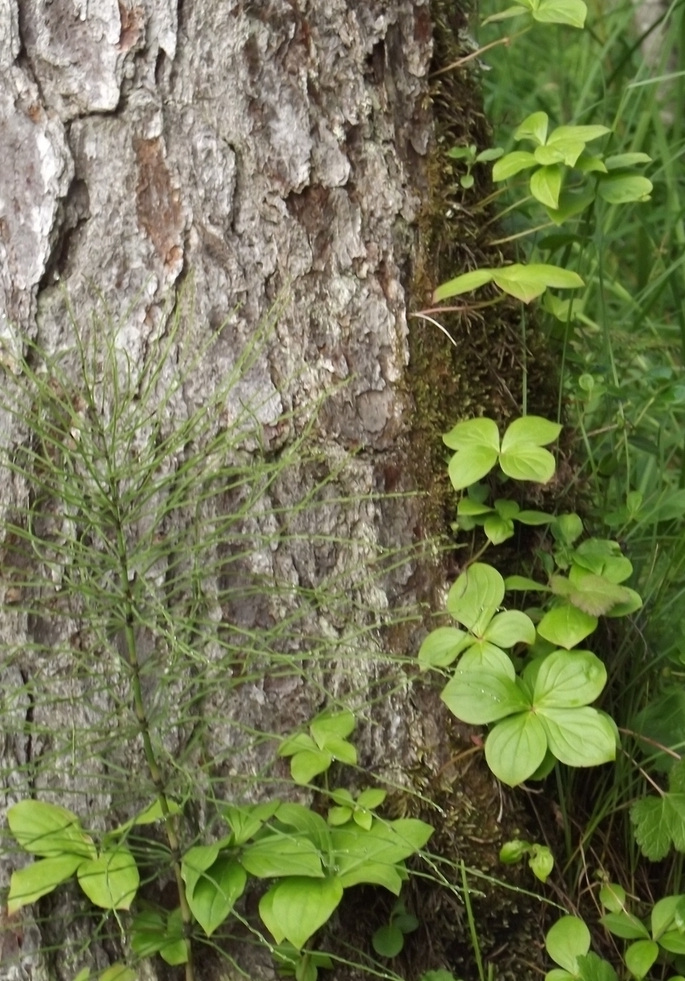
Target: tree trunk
{"points": [[247, 173]]}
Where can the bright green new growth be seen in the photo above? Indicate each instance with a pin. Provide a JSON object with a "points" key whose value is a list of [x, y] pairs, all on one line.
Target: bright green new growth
{"points": [[522, 282], [312, 861], [543, 714], [520, 453], [540, 858]]}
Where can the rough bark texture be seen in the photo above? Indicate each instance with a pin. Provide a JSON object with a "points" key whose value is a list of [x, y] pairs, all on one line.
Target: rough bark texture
{"points": [[243, 151]]}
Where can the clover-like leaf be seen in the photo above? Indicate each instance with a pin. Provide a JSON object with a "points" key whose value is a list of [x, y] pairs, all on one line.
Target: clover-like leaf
{"points": [[477, 444], [479, 697], [465, 283], [512, 164], [568, 940], [475, 597], [534, 128], [111, 880], [566, 625], [569, 679], [570, 12], [442, 646], [545, 185], [510, 628], [516, 747], [578, 736]]}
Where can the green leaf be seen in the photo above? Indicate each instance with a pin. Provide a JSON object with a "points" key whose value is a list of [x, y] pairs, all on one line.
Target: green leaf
{"points": [[48, 830], [468, 466], [618, 188], [589, 164], [566, 626], [512, 164], [497, 529], [245, 821], [526, 462], [640, 956], [513, 851], [372, 856], [465, 283], [280, 855], [549, 155], [441, 647], [371, 798], [594, 968], [38, 879], [613, 897], [339, 815], [515, 748], [111, 880], [621, 161], [307, 765], [541, 862], [515, 11], [568, 940], [533, 430], [339, 749], [571, 12], [581, 134], [298, 743], [534, 518], [533, 128], [567, 528], [528, 282], [569, 680], [299, 906], [485, 657], [545, 185], [673, 942], [304, 819], [663, 915], [153, 812], [662, 722], [579, 736], [363, 818], [481, 697], [195, 861], [593, 594], [152, 933], [522, 583], [477, 444], [510, 628], [571, 203], [388, 940], [216, 892], [331, 724], [117, 972], [475, 597], [651, 827]]}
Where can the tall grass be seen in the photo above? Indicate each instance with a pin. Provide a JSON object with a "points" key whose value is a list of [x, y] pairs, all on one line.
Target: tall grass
{"points": [[622, 384]]}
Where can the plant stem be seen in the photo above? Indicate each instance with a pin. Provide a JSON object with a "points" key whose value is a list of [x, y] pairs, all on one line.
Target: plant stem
{"points": [[156, 775]]}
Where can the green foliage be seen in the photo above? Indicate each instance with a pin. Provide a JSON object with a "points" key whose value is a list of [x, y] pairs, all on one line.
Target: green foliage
{"points": [[388, 940], [313, 754], [522, 282], [659, 822], [109, 878], [471, 157], [520, 453], [311, 860], [571, 12], [540, 858]]}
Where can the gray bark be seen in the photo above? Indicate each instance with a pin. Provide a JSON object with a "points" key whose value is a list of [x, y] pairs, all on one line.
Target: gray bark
{"points": [[240, 151]]}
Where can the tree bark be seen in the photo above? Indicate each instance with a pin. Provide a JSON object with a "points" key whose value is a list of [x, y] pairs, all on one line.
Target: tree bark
{"points": [[224, 157]]}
